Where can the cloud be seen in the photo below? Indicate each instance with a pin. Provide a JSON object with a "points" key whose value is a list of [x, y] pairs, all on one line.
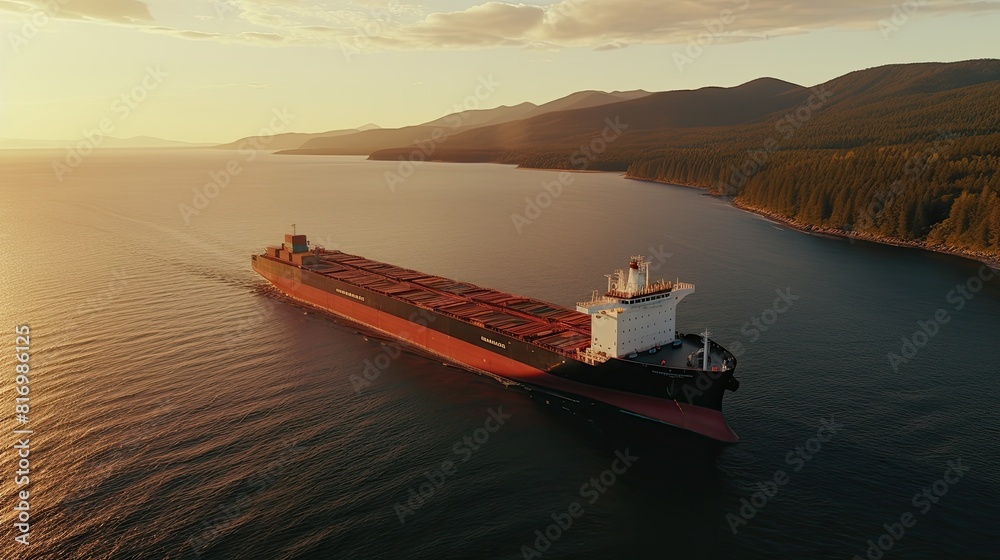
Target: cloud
{"points": [[114, 11], [261, 37], [610, 24], [613, 45], [369, 25], [196, 35], [12, 6], [492, 24]]}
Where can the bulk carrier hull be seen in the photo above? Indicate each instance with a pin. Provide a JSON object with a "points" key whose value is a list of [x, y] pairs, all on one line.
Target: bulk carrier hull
{"points": [[526, 341]]}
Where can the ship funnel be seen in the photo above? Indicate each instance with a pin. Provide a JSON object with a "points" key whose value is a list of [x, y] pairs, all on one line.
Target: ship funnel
{"points": [[636, 276]]}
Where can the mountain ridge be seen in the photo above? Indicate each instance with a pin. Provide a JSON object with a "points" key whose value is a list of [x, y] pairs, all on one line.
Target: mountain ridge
{"points": [[902, 154], [451, 124]]}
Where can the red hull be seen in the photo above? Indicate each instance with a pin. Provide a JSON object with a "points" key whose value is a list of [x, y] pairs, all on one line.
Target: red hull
{"points": [[697, 419]]}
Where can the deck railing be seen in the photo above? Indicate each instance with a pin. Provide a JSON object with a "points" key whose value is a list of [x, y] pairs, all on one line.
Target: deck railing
{"points": [[590, 358]]}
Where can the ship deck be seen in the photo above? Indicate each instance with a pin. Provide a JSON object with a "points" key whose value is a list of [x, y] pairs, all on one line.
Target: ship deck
{"points": [[677, 357], [557, 328]]}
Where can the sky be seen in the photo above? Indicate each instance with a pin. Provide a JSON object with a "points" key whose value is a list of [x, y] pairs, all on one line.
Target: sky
{"points": [[217, 70]]}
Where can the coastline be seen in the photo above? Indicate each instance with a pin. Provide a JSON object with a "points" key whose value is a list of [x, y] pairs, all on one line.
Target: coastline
{"points": [[989, 259], [560, 170], [685, 185]]}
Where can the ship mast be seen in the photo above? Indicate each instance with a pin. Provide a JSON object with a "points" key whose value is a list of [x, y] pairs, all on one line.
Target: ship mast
{"points": [[704, 359]]}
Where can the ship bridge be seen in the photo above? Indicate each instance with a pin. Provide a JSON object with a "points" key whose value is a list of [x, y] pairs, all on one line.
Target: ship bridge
{"points": [[635, 314]]}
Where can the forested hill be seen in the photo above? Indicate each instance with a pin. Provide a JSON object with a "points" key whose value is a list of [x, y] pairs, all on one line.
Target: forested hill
{"points": [[909, 153], [904, 153]]}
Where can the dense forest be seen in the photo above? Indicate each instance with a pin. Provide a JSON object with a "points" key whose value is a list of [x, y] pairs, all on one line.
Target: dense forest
{"points": [[945, 191]]}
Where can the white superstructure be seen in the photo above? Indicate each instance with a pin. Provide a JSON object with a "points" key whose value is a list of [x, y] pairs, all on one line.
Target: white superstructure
{"points": [[634, 315]]}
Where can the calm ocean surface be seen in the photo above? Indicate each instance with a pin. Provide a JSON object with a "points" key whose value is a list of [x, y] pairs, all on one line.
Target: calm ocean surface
{"points": [[183, 409]]}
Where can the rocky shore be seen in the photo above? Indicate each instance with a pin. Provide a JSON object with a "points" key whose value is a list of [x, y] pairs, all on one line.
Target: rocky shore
{"points": [[985, 257], [988, 258]]}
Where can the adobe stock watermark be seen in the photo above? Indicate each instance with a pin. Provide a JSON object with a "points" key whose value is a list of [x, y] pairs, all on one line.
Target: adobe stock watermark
{"points": [[152, 425], [83, 311], [592, 491], [424, 148], [657, 258], [796, 459], [751, 329], [786, 127], [219, 179], [223, 9], [260, 314], [34, 22], [580, 159], [900, 16], [715, 29], [923, 501], [225, 514], [913, 169], [374, 25], [121, 107], [246, 325], [419, 494], [926, 330], [390, 350]]}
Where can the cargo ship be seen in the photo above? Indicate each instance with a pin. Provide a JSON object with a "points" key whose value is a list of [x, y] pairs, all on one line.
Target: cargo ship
{"points": [[620, 348]]}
